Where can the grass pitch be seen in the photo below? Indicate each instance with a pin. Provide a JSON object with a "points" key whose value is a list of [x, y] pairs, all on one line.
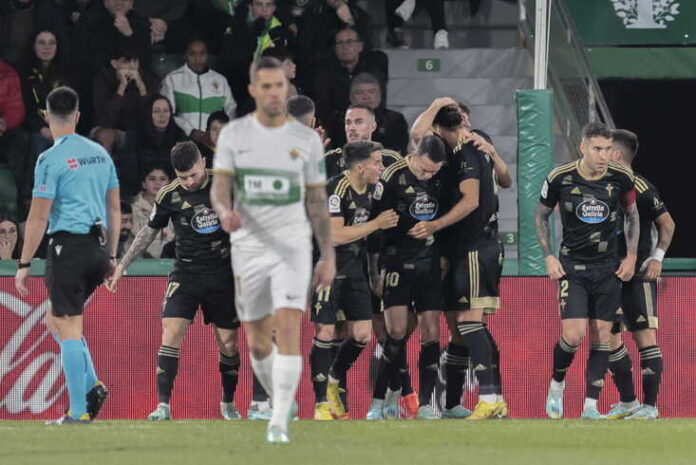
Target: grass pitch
{"points": [[446, 442]]}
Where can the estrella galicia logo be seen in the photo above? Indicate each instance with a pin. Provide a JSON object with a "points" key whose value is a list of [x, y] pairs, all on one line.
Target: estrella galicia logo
{"points": [[424, 208], [205, 222], [592, 211]]}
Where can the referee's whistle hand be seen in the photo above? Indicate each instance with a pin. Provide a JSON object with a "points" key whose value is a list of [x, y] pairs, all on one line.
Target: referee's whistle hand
{"points": [[231, 221], [20, 279]]}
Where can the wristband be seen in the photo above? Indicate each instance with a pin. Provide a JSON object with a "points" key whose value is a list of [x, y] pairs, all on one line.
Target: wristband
{"points": [[658, 255], [21, 265]]}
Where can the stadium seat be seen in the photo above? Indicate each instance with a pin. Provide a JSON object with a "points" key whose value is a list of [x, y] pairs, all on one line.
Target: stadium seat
{"points": [[8, 191]]}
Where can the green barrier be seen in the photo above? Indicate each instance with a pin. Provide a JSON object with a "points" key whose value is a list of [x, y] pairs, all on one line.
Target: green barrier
{"points": [[534, 161]]}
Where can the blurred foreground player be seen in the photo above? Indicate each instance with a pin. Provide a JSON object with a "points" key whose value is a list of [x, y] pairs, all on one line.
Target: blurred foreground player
{"points": [[639, 295], [269, 194], [590, 192], [76, 193], [201, 276]]}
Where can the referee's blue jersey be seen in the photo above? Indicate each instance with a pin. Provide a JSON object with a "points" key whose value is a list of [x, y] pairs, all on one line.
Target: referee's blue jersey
{"points": [[76, 173]]}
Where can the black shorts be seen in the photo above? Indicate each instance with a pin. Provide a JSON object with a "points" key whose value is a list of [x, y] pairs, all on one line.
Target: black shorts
{"points": [[589, 291], [417, 284], [348, 299], [212, 292], [638, 306], [75, 266], [474, 278]]}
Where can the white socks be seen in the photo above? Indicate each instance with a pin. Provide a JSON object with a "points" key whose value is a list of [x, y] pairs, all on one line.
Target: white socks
{"points": [[264, 370], [286, 378], [590, 404], [489, 398]]}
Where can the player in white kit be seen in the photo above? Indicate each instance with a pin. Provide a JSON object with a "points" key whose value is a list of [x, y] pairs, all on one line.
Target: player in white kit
{"points": [[271, 167]]}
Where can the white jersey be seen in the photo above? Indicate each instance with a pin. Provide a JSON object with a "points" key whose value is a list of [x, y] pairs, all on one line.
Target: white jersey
{"points": [[272, 168]]}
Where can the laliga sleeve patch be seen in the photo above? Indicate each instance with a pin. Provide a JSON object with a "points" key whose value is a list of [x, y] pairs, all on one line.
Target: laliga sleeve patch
{"points": [[379, 189], [334, 204], [545, 189]]}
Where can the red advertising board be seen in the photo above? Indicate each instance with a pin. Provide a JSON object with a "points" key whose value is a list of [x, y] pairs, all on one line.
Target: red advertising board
{"points": [[123, 332]]}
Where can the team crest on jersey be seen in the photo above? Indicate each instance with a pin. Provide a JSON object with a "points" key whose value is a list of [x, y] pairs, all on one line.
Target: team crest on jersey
{"points": [[592, 211], [361, 216], [294, 153], [610, 189], [205, 221], [379, 190]]}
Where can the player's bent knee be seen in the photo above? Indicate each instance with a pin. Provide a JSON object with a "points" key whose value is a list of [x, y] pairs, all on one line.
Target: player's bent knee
{"points": [[324, 332], [645, 338]]}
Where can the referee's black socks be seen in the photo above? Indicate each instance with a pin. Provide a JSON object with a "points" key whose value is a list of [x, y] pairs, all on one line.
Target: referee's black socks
{"points": [[167, 367], [229, 374]]}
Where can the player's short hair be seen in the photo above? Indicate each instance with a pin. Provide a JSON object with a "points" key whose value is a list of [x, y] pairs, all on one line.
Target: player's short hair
{"points": [[264, 63], [126, 208], [360, 106], [364, 78], [217, 116], [300, 106], [62, 102], [184, 155], [448, 117], [433, 147], [595, 129], [464, 108], [361, 150], [627, 140]]}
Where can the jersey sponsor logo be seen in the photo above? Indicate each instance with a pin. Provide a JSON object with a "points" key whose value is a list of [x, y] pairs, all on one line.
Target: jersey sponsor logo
{"points": [[269, 187], [592, 211], [205, 222], [73, 163], [545, 189], [334, 204], [424, 208]]}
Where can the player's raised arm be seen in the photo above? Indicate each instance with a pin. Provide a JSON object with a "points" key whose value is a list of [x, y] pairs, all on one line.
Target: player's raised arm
{"points": [[424, 123]]}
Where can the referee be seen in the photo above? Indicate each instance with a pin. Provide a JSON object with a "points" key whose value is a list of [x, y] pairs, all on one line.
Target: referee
{"points": [[76, 194]]}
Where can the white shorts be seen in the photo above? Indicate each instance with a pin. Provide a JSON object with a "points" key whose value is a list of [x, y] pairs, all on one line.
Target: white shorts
{"points": [[266, 280]]}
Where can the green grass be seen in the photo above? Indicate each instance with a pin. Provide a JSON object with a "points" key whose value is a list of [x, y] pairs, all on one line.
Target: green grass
{"points": [[511, 442]]}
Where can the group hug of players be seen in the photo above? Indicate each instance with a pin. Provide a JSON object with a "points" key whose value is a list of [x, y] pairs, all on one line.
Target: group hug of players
{"points": [[416, 236]]}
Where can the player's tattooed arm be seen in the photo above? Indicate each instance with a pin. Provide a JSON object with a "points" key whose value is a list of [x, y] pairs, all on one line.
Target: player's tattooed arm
{"points": [[553, 266], [141, 242], [318, 214], [628, 264], [665, 230], [541, 223]]}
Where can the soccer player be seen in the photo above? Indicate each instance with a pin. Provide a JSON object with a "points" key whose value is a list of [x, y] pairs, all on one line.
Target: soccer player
{"points": [[360, 124], [350, 199], [410, 272], [275, 167], [590, 193], [201, 276], [639, 295], [476, 259], [76, 194], [302, 109]]}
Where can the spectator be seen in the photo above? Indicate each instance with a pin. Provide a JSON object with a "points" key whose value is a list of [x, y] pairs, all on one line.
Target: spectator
{"points": [[216, 121], [149, 144], [10, 241], [392, 128], [120, 92], [196, 91], [16, 24], [126, 236], [156, 178], [169, 26], [400, 11], [331, 88], [13, 141], [252, 29], [319, 26], [43, 68], [302, 109], [102, 31]]}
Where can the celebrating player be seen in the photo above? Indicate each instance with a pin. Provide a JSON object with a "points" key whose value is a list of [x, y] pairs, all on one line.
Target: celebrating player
{"points": [[639, 295], [274, 164], [410, 272], [590, 193], [201, 276]]}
